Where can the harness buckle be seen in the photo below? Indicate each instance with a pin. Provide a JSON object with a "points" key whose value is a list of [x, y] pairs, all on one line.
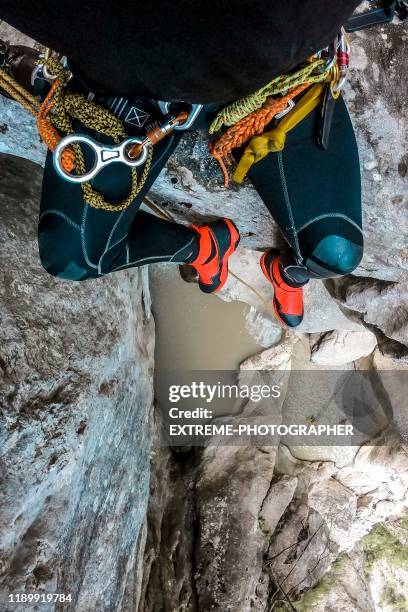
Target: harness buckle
{"points": [[195, 110]]}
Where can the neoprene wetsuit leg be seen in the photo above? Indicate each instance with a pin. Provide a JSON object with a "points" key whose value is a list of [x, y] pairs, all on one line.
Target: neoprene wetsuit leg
{"points": [[78, 242], [315, 197]]}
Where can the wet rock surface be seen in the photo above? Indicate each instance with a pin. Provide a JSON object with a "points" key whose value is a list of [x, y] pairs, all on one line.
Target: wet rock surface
{"points": [[331, 504], [76, 365]]}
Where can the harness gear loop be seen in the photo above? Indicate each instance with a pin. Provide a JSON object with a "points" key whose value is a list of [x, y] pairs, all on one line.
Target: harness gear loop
{"points": [[274, 140]]}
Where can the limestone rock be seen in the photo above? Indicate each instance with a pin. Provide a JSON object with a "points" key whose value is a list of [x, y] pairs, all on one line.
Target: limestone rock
{"points": [[19, 133], [384, 361], [345, 588], [340, 347], [231, 487], [168, 560], [382, 305], [10, 34], [277, 500], [337, 505], [76, 392], [378, 108], [18, 129], [275, 358]]}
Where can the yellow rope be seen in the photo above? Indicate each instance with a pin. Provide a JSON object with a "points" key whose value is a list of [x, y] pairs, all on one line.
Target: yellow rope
{"points": [[66, 106], [96, 118], [16, 91], [274, 140]]}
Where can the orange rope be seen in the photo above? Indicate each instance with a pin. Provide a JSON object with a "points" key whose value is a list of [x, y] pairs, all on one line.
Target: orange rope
{"points": [[251, 125], [49, 134]]}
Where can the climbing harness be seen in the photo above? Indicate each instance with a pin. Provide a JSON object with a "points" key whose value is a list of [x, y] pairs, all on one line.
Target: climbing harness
{"points": [[55, 115], [283, 102], [133, 151], [248, 117]]}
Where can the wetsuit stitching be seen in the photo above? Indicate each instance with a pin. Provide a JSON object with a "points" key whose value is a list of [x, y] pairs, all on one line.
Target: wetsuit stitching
{"points": [[107, 245], [143, 259], [340, 215], [52, 211], [183, 247], [287, 202], [83, 236], [286, 268], [107, 250]]}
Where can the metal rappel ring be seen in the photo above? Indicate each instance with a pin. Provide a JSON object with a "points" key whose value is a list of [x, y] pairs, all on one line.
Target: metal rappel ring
{"points": [[104, 155]]}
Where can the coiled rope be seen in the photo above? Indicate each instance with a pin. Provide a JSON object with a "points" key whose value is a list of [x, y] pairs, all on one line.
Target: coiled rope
{"points": [[232, 113], [249, 116], [56, 113], [94, 117]]}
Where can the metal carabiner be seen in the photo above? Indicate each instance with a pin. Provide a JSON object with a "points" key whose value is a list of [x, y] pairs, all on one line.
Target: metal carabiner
{"points": [[331, 56], [192, 115], [104, 155], [343, 60]]}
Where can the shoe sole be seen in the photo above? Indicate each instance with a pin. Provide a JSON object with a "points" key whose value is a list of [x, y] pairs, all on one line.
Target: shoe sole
{"points": [[220, 281]]}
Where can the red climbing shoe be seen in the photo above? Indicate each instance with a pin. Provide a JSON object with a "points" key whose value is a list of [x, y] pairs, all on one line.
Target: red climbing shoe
{"points": [[217, 242], [287, 300]]}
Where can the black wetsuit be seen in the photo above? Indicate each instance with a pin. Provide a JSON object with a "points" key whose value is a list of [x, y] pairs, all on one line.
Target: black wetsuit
{"points": [[193, 50], [313, 194]]}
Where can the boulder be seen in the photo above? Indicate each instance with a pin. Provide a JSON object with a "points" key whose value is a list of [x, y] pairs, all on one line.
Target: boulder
{"points": [[341, 347]]}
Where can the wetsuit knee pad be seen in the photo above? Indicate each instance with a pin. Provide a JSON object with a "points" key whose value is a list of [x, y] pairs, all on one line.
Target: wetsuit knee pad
{"points": [[59, 245], [331, 247]]}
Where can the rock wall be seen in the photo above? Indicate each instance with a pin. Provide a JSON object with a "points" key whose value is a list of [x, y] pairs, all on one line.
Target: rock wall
{"points": [[76, 363], [267, 530], [230, 529]]}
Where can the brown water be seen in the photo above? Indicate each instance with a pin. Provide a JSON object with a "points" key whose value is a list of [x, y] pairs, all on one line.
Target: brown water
{"points": [[195, 331]]}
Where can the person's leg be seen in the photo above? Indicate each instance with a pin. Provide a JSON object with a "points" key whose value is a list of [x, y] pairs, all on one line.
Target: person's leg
{"points": [[78, 242], [315, 197]]}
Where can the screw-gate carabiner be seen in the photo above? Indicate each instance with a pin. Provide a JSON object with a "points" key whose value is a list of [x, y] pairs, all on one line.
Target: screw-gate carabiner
{"points": [[343, 60], [104, 155]]}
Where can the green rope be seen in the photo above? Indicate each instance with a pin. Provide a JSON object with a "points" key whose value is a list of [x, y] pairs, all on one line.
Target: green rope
{"points": [[239, 109]]}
